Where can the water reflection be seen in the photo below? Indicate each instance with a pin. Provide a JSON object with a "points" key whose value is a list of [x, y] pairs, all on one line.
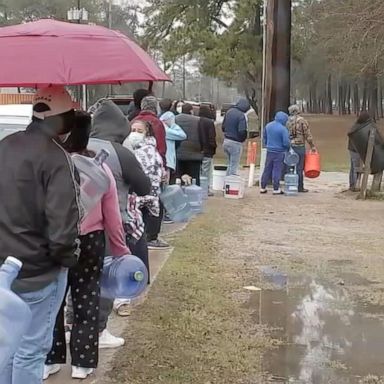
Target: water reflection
{"points": [[326, 338]]}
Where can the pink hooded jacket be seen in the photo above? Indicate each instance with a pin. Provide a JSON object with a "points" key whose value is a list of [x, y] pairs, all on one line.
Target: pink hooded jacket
{"points": [[106, 216]]}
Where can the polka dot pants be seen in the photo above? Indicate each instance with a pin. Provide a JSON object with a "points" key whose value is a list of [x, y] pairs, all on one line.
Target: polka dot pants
{"points": [[83, 281]]}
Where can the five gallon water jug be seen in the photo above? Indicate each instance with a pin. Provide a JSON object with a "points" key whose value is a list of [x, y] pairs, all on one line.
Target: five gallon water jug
{"points": [[291, 180], [123, 277], [94, 182], [195, 197], [291, 158], [15, 315], [204, 184], [176, 203]]}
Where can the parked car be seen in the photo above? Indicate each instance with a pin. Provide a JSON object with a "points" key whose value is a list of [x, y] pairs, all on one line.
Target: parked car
{"points": [[226, 107], [14, 118]]}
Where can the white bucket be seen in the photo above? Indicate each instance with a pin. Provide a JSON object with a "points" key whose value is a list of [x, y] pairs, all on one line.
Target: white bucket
{"points": [[234, 187], [218, 178]]}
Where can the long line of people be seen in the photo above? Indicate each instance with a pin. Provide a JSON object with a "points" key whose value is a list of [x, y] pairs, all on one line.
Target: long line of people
{"points": [[62, 251]]}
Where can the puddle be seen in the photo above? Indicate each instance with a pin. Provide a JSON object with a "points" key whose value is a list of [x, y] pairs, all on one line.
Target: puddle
{"points": [[325, 337]]}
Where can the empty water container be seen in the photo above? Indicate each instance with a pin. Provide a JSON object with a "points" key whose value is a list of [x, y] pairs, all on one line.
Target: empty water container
{"points": [[15, 315], [195, 197], [176, 203], [94, 182], [291, 180], [291, 158], [204, 184], [123, 277]]}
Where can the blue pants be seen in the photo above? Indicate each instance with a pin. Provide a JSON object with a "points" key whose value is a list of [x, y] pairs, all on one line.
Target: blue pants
{"points": [[27, 365], [233, 150], [273, 169], [300, 150]]}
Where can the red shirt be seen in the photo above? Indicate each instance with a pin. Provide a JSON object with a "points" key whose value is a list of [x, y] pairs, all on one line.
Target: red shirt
{"points": [[158, 129]]}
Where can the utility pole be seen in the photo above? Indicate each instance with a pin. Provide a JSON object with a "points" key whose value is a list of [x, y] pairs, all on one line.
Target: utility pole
{"points": [[110, 88], [276, 61]]}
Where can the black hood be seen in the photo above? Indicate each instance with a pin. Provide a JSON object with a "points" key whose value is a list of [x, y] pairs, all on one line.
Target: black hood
{"points": [[109, 123]]}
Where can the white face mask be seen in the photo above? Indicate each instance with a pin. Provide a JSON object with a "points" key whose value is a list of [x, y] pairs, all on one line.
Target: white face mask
{"points": [[135, 138], [179, 108]]}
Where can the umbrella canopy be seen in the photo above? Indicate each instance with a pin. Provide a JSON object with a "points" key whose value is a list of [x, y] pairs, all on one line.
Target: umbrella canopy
{"points": [[54, 52]]}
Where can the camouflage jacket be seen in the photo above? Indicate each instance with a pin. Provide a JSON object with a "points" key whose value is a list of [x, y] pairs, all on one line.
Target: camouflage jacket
{"points": [[299, 131]]}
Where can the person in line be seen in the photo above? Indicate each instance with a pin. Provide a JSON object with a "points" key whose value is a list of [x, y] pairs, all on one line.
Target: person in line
{"points": [[208, 134], [300, 134], [174, 134], [149, 108], [276, 140], [109, 130], [39, 223], [189, 154], [143, 142], [135, 105], [165, 106], [84, 278], [235, 128]]}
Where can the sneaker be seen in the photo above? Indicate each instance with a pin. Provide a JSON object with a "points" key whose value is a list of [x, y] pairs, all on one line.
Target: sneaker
{"points": [[167, 220], [81, 373], [278, 192], [123, 307], [263, 191], [211, 194], [50, 369], [107, 340], [158, 244], [303, 190]]}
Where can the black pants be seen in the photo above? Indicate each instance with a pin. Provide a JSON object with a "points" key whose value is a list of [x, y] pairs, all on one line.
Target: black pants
{"points": [[152, 223], [84, 283], [191, 168]]}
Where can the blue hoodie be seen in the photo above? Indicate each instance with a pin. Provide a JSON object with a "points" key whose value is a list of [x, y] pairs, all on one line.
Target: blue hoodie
{"points": [[235, 122], [276, 135]]}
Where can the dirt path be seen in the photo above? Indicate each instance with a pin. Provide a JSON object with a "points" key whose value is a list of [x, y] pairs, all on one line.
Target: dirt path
{"points": [[316, 315]]}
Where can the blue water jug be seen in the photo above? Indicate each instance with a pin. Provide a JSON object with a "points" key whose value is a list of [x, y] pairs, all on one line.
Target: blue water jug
{"points": [[15, 315], [204, 184], [195, 197], [176, 203], [124, 277], [291, 158], [291, 181]]}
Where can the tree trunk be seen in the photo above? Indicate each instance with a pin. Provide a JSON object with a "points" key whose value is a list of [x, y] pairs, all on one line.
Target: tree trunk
{"points": [[356, 101], [365, 96], [381, 110], [329, 95], [349, 98], [372, 89]]}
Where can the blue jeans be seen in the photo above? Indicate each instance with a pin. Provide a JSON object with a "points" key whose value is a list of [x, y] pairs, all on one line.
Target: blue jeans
{"points": [[355, 165], [27, 365], [273, 170], [233, 150], [300, 150]]}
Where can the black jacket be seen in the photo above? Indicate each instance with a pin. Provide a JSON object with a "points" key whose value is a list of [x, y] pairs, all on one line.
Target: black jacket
{"points": [[190, 149], [39, 212], [109, 130], [207, 131]]}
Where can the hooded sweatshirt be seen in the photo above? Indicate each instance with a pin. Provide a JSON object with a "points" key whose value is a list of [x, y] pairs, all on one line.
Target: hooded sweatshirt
{"points": [[173, 133], [109, 129], [235, 124], [276, 135]]}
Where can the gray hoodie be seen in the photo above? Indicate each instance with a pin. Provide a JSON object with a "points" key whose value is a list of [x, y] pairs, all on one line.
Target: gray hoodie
{"points": [[109, 129]]}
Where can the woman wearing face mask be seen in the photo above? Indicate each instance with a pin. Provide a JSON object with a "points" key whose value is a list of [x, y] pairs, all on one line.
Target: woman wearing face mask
{"points": [[143, 142], [83, 279]]}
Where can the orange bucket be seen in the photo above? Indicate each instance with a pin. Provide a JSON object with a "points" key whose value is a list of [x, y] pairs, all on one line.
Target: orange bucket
{"points": [[312, 165]]}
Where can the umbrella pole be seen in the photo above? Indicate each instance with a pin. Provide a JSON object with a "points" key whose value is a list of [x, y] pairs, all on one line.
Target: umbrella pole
{"points": [[84, 97]]}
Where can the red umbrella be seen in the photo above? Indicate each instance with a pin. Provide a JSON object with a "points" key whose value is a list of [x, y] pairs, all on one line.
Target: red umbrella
{"points": [[54, 52]]}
